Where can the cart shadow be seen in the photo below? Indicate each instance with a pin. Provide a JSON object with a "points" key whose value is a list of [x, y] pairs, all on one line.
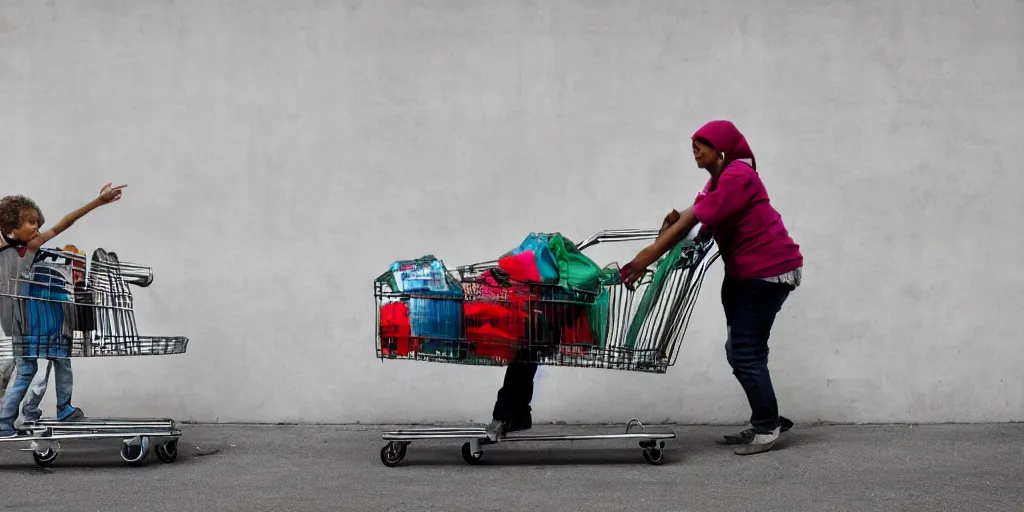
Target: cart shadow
{"points": [[58, 466], [498, 457], [97, 455], [680, 452]]}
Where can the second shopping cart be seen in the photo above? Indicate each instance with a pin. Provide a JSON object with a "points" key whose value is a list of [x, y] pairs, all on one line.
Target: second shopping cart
{"points": [[568, 312], [64, 312]]}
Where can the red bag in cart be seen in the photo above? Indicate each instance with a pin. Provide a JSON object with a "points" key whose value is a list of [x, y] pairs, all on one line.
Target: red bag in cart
{"points": [[577, 337], [496, 328], [396, 330]]}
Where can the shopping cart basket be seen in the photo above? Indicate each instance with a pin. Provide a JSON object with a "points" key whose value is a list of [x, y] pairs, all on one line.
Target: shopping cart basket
{"points": [[67, 310], [495, 321]]}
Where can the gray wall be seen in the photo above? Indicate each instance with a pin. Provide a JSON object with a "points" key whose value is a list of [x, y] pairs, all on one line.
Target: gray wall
{"points": [[280, 155]]}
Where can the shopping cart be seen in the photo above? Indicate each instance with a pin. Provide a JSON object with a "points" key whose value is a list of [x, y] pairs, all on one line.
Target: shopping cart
{"points": [[66, 311], [495, 321]]}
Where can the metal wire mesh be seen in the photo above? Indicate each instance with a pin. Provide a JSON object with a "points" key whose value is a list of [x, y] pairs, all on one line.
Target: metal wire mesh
{"points": [[618, 328], [62, 313]]}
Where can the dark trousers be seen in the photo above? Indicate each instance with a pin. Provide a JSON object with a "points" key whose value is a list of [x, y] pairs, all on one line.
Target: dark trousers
{"points": [[516, 391], [750, 309], [545, 332]]}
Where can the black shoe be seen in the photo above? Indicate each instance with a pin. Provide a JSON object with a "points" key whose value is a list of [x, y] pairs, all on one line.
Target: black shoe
{"points": [[496, 430], [520, 423], [744, 437], [747, 435], [785, 424]]}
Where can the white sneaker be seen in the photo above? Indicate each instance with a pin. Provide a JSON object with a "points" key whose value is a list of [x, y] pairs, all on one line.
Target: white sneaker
{"points": [[760, 443]]}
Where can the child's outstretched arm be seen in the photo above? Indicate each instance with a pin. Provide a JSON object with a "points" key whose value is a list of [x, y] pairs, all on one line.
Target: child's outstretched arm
{"points": [[108, 194]]}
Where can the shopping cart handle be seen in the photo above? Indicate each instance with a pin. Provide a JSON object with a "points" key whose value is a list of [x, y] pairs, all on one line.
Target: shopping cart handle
{"points": [[138, 275], [619, 235], [608, 235]]}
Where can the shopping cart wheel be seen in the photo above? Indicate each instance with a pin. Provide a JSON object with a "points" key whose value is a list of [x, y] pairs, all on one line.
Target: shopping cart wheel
{"points": [[471, 457], [134, 452], [392, 454], [44, 459], [167, 452], [654, 456]]}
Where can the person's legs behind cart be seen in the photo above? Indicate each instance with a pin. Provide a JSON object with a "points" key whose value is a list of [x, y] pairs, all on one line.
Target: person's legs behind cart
{"points": [[26, 371], [512, 411], [45, 319], [6, 372], [63, 378], [30, 412]]}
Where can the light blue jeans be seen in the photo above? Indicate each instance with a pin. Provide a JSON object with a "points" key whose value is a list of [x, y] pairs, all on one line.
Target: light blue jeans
{"points": [[62, 374], [27, 370]]}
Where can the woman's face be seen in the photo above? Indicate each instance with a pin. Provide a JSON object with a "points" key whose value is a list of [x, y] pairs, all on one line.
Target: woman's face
{"points": [[705, 155]]}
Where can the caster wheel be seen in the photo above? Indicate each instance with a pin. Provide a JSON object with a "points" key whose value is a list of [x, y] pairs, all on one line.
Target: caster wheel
{"points": [[134, 454], [470, 457], [654, 456], [167, 452], [392, 454], [44, 459]]}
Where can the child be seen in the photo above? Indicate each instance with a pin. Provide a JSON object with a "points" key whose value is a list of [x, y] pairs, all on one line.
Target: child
{"points": [[20, 220], [762, 266], [79, 315], [6, 353]]}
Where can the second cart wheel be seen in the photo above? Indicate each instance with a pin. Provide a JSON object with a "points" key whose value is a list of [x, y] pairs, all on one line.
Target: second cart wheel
{"points": [[167, 452], [392, 454], [469, 456], [44, 459], [134, 454], [654, 456]]}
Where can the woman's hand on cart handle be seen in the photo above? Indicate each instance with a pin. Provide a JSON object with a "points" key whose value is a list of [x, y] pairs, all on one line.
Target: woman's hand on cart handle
{"points": [[635, 269], [668, 238], [675, 233], [631, 273], [670, 219]]}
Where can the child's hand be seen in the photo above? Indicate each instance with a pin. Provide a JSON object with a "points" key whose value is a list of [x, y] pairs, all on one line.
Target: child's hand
{"points": [[110, 194]]}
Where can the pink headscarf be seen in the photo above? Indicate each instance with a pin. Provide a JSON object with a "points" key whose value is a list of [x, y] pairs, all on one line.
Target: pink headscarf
{"points": [[724, 137]]}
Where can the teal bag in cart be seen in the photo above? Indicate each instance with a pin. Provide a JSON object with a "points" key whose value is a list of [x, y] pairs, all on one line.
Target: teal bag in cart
{"points": [[538, 244]]}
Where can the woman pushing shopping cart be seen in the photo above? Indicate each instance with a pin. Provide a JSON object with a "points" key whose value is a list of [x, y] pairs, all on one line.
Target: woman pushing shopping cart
{"points": [[546, 303]]}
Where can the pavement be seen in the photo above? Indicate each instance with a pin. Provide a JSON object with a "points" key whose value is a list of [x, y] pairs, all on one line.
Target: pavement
{"points": [[337, 468]]}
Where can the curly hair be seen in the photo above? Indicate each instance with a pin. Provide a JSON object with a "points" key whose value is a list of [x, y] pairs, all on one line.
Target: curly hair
{"points": [[12, 212]]}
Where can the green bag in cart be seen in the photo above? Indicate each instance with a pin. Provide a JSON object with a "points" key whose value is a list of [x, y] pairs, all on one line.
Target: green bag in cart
{"points": [[597, 318], [575, 270], [654, 291]]}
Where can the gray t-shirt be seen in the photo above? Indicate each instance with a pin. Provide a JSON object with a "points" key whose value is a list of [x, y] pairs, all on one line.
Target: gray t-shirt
{"points": [[15, 271]]}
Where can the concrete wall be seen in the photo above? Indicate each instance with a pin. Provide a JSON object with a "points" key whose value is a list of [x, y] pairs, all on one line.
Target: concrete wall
{"points": [[280, 155]]}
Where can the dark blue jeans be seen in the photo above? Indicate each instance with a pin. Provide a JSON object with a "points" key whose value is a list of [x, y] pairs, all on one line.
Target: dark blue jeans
{"points": [[750, 309]]}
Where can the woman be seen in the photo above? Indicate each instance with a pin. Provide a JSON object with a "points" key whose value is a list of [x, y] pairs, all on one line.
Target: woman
{"points": [[762, 266]]}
